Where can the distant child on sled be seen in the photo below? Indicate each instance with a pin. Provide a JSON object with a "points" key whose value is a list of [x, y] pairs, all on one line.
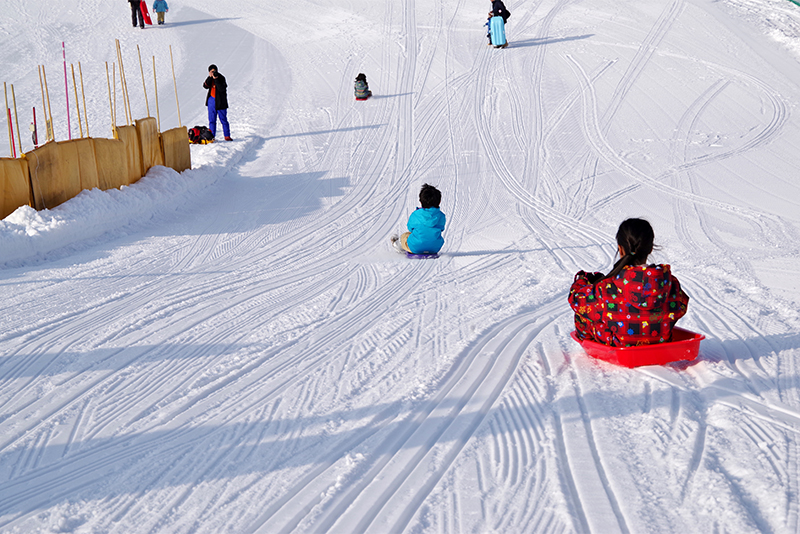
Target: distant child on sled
{"points": [[634, 304], [362, 87], [425, 225]]}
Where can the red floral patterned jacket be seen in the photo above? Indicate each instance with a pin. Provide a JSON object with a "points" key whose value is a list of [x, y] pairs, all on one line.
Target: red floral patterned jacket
{"points": [[639, 306]]}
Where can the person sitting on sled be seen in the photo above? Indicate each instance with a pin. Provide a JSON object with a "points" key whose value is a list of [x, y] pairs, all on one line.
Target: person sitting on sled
{"points": [[362, 87], [425, 225], [498, 10], [634, 304]]}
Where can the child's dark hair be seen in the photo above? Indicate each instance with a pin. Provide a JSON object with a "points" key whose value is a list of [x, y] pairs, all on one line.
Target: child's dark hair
{"points": [[635, 236], [429, 196], [361, 77]]}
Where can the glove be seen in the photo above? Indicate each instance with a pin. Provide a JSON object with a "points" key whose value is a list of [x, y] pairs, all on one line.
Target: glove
{"points": [[594, 277]]}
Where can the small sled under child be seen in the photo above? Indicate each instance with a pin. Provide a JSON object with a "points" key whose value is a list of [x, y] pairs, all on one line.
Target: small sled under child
{"points": [[411, 255], [685, 346]]}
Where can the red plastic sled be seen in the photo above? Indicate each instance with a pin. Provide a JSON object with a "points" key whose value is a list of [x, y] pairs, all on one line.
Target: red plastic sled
{"points": [[685, 345], [145, 13]]}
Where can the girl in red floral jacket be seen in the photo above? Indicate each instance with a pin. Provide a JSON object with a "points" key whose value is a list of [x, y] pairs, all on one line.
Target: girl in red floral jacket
{"points": [[634, 304]]}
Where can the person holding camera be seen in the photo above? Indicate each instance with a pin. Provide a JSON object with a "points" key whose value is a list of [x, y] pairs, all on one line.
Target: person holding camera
{"points": [[217, 102]]}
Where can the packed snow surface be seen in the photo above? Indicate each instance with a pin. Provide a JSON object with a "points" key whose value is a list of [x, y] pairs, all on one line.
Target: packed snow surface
{"points": [[238, 349]]}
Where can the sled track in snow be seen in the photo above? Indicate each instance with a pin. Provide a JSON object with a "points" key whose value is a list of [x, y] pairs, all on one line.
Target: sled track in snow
{"points": [[422, 447]]}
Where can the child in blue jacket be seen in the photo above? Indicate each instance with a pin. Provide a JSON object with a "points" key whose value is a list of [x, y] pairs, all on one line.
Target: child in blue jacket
{"points": [[160, 7], [425, 225]]}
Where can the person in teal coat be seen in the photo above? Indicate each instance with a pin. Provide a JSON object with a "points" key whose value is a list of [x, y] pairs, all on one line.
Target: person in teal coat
{"points": [[160, 7], [425, 225]]}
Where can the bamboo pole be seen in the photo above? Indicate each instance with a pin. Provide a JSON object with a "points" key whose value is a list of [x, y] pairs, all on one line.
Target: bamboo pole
{"points": [[11, 134], [51, 132], [34, 129], [114, 85], [41, 86], [66, 88], [110, 105], [7, 113], [77, 106], [144, 87], [125, 93], [122, 84], [83, 96], [16, 119], [175, 85], [155, 84]]}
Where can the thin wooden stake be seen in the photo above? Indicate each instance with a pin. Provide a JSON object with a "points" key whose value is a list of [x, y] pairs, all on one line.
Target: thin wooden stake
{"points": [[16, 119], [155, 84], [175, 85], [144, 87], [44, 103], [10, 128], [51, 132], [125, 92], [83, 96], [122, 85], [77, 107], [34, 129], [66, 88], [110, 105]]}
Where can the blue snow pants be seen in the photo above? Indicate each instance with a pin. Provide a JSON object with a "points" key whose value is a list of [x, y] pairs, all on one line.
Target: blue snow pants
{"points": [[213, 113]]}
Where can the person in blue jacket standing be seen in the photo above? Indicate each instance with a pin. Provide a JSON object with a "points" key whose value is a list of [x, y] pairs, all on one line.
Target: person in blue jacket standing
{"points": [[425, 225], [160, 7]]}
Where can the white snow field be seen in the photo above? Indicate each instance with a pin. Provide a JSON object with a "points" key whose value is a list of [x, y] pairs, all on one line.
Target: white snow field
{"points": [[238, 349]]}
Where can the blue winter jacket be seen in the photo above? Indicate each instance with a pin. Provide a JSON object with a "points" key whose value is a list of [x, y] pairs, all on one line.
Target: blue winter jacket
{"points": [[426, 226], [160, 6]]}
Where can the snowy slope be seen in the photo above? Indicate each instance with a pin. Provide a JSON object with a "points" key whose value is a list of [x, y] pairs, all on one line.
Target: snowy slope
{"points": [[238, 349]]}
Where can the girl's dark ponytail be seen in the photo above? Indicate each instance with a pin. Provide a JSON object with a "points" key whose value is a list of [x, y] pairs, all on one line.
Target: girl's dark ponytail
{"points": [[618, 266], [635, 236]]}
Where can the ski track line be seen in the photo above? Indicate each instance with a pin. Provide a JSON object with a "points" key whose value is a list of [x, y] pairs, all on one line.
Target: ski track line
{"points": [[705, 300], [407, 466], [514, 187], [108, 460], [779, 117], [679, 146], [599, 143], [567, 471], [712, 392], [528, 200], [593, 485], [439, 413], [646, 49], [219, 386]]}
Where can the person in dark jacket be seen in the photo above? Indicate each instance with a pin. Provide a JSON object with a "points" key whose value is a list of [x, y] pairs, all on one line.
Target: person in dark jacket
{"points": [[136, 10], [217, 101], [498, 10], [634, 304]]}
